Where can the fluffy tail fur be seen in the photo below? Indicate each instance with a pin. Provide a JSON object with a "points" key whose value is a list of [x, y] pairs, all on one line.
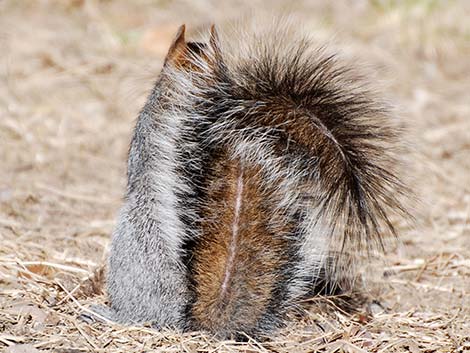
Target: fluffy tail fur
{"points": [[302, 172]]}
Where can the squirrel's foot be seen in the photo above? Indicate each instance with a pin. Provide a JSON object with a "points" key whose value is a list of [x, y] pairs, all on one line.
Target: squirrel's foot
{"points": [[98, 313]]}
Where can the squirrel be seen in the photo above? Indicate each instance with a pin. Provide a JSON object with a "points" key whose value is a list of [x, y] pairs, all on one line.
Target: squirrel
{"points": [[258, 165]]}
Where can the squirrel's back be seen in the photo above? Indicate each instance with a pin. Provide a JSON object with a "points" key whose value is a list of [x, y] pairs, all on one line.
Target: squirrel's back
{"points": [[285, 163]]}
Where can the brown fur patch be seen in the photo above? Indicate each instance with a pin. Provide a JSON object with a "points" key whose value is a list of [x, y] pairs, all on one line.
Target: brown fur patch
{"points": [[239, 256]]}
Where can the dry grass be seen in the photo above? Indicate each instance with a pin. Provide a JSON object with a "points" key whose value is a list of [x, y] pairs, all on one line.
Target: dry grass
{"points": [[73, 75]]}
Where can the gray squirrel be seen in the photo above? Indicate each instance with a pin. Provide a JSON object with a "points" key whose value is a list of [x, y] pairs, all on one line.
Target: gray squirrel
{"points": [[258, 165]]}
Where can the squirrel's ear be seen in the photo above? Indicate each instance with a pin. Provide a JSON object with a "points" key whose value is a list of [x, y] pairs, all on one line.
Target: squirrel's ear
{"points": [[177, 49]]}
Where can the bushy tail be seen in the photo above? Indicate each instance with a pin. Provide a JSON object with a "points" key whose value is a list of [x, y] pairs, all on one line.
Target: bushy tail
{"points": [[303, 152], [273, 95]]}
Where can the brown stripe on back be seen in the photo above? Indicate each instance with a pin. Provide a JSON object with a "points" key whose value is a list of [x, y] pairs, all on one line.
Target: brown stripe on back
{"points": [[238, 260]]}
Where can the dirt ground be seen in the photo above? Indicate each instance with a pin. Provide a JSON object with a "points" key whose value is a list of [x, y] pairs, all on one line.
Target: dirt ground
{"points": [[73, 76]]}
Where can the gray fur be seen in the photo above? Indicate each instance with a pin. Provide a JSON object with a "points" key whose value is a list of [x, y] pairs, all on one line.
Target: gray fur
{"points": [[146, 280]]}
